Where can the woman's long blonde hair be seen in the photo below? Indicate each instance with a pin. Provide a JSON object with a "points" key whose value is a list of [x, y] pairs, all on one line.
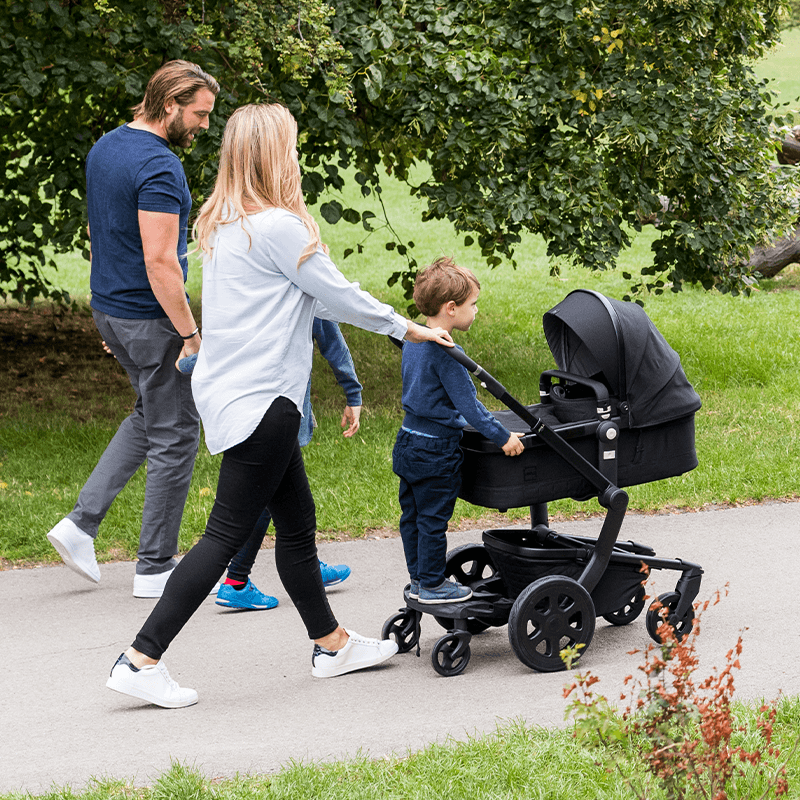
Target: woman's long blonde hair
{"points": [[257, 170]]}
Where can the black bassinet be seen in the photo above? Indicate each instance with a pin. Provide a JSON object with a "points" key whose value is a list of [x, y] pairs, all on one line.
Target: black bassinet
{"points": [[614, 365]]}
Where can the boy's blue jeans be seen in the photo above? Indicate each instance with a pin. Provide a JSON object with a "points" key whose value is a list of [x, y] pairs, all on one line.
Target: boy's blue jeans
{"points": [[430, 479]]}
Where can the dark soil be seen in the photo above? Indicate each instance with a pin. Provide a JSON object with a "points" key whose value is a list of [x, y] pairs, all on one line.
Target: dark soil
{"points": [[51, 361]]}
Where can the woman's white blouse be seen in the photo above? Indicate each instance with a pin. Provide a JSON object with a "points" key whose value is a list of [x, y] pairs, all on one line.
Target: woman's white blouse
{"points": [[258, 310]]}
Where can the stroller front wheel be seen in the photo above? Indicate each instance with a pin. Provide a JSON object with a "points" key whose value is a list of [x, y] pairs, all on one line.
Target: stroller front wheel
{"points": [[450, 655], [550, 614], [663, 610]]}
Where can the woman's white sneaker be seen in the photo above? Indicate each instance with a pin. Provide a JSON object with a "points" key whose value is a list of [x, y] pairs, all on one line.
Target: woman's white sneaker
{"points": [[358, 653], [151, 683]]}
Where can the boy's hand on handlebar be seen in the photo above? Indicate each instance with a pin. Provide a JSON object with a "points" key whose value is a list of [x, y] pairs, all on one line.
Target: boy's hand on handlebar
{"points": [[419, 333], [513, 447]]}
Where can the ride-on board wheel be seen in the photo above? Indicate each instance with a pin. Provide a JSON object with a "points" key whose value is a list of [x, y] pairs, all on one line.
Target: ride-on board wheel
{"points": [[402, 628], [469, 564], [550, 614], [654, 616], [450, 655], [630, 611]]}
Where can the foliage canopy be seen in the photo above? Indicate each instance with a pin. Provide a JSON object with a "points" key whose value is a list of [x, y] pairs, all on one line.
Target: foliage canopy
{"points": [[570, 120]]}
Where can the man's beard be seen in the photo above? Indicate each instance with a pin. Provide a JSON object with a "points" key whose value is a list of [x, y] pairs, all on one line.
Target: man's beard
{"points": [[178, 134]]}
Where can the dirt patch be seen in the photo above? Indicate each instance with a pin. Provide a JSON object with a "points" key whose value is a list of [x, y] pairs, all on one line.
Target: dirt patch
{"points": [[52, 361]]}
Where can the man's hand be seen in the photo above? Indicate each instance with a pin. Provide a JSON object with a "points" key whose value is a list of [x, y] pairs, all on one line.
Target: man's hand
{"points": [[107, 349], [513, 447], [351, 420], [190, 348]]}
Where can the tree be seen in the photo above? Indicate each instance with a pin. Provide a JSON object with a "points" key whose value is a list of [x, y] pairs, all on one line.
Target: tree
{"points": [[560, 118]]}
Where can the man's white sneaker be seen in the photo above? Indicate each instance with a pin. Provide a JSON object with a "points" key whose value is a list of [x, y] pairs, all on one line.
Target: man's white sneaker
{"points": [[151, 683], [153, 585], [358, 653], [76, 548], [150, 585]]}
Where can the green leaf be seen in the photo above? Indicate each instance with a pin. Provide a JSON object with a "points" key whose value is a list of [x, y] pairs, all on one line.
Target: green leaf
{"points": [[331, 211]]}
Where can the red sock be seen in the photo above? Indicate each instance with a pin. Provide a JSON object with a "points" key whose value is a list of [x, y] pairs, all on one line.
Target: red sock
{"points": [[235, 584]]}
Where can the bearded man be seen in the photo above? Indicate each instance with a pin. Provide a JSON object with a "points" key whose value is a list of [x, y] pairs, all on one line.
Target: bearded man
{"points": [[139, 203]]}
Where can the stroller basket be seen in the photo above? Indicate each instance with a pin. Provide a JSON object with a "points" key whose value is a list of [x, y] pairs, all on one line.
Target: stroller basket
{"points": [[521, 559]]}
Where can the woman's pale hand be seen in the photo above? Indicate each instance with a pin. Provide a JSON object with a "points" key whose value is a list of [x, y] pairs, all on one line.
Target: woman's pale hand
{"points": [[419, 333]]}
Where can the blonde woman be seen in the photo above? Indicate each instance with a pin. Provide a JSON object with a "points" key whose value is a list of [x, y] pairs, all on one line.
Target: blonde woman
{"points": [[265, 276]]}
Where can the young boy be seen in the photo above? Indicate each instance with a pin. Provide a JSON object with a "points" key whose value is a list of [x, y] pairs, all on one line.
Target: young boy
{"points": [[439, 399]]}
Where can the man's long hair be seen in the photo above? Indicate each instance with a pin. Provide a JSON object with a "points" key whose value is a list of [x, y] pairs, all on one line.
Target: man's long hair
{"points": [[176, 80], [258, 170]]}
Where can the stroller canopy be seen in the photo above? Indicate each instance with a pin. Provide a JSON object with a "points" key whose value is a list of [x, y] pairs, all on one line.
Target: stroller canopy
{"points": [[616, 343]]}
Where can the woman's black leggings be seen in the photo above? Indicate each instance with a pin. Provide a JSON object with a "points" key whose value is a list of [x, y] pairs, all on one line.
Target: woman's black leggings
{"points": [[264, 470]]}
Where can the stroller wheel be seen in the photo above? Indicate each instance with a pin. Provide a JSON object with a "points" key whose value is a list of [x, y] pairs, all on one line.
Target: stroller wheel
{"points": [[403, 629], [450, 655], [550, 614], [630, 611], [469, 564], [654, 618]]}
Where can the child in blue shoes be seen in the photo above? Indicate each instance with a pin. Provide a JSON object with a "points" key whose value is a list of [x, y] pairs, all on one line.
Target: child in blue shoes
{"points": [[439, 399], [238, 591]]}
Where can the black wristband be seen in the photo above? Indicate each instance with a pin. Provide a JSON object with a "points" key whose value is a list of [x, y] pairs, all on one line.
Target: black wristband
{"points": [[191, 335]]}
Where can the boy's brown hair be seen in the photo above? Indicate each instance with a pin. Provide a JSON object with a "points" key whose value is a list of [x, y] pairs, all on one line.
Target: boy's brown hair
{"points": [[440, 283]]}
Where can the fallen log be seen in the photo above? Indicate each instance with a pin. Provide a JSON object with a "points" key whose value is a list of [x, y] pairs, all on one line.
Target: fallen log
{"points": [[789, 151], [771, 259]]}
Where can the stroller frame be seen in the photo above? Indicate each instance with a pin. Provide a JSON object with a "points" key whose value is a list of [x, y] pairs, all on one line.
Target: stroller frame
{"points": [[546, 586]]}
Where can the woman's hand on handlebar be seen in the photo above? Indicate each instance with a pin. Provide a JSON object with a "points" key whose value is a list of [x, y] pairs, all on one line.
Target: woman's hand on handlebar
{"points": [[419, 333]]}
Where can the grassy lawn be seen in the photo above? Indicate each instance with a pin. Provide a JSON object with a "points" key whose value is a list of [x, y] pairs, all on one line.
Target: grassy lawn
{"points": [[741, 355], [515, 762], [781, 70]]}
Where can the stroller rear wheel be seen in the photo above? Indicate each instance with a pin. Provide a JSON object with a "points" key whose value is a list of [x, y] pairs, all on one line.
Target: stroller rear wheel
{"points": [[450, 655], [470, 565], [550, 614], [630, 611], [656, 615], [403, 629]]}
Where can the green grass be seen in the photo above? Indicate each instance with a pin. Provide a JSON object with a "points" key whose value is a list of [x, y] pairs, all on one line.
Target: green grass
{"points": [[515, 762], [781, 69], [741, 354]]}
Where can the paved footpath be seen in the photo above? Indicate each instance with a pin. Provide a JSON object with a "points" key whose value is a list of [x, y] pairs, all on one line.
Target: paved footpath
{"points": [[60, 636]]}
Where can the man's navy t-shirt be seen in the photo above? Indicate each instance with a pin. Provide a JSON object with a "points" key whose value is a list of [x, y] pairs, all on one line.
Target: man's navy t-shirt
{"points": [[126, 171]]}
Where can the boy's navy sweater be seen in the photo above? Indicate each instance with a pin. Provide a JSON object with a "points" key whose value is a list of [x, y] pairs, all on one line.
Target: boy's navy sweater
{"points": [[439, 397]]}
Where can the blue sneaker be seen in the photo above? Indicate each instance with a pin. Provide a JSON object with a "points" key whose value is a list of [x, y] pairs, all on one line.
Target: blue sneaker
{"points": [[247, 599], [413, 591], [445, 592], [333, 573]]}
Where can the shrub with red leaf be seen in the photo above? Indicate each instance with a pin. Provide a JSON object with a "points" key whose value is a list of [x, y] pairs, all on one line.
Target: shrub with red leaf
{"points": [[683, 730]]}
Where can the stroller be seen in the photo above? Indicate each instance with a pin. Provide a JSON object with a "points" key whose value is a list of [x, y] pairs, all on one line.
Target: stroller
{"points": [[618, 412]]}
